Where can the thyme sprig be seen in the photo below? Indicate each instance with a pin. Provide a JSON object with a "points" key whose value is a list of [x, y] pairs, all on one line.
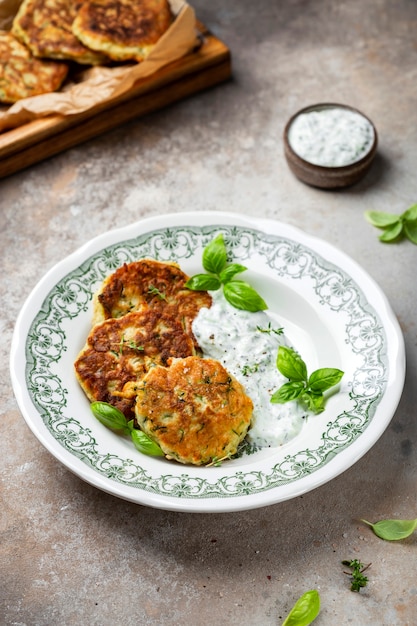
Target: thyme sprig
{"points": [[358, 579], [269, 330]]}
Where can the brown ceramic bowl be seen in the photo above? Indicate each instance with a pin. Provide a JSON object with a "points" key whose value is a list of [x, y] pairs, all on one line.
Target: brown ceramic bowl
{"points": [[328, 176]]}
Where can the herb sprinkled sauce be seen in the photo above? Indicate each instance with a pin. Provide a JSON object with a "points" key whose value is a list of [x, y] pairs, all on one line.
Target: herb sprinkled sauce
{"points": [[331, 136], [246, 344]]}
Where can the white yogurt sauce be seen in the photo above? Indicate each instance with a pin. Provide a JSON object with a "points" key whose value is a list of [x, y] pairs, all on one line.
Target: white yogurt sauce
{"points": [[232, 337], [331, 137]]}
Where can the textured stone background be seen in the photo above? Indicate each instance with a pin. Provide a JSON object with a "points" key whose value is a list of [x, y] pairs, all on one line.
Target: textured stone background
{"points": [[70, 554]]}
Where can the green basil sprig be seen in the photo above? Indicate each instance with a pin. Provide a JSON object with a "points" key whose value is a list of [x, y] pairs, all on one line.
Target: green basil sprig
{"points": [[220, 274], [308, 390], [114, 419], [305, 610], [395, 227], [393, 529]]}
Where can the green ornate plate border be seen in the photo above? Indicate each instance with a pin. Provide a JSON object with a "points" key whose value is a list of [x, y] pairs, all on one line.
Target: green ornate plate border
{"points": [[335, 290]]}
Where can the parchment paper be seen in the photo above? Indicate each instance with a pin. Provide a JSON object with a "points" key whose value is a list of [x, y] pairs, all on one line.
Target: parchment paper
{"points": [[96, 84]]}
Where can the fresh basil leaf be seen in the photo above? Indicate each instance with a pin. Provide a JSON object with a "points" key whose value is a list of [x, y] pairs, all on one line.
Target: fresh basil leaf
{"points": [[291, 365], [215, 255], [410, 230], [109, 416], [203, 282], [230, 271], [410, 215], [324, 378], [381, 219], [391, 233], [305, 610], [393, 529], [144, 444], [288, 392], [242, 296], [313, 401]]}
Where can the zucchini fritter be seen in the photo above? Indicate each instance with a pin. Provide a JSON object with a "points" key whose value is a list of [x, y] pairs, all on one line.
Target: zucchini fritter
{"points": [[119, 352], [122, 29], [45, 27], [21, 75], [194, 409], [149, 284]]}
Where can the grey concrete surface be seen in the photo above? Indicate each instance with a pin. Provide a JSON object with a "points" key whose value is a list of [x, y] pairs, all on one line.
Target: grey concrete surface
{"points": [[72, 555]]}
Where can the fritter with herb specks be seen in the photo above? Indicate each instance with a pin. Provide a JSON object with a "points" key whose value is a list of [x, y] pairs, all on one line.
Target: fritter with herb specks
{"points": [[149, 284], [194, 409], [120, 351]]}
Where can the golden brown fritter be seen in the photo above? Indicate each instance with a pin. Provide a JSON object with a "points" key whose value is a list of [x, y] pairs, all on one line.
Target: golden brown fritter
{"points": [[21, 75], [45, 27], [149, 284], [122, 29], [194, 409], [120, 351]]}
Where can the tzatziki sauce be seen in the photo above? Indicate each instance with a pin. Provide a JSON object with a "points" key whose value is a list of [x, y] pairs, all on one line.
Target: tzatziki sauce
{"points": [[331, 136], [246, 344]]}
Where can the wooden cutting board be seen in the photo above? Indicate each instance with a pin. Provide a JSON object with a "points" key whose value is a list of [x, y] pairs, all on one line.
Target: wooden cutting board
{"points": [[208, 65]]}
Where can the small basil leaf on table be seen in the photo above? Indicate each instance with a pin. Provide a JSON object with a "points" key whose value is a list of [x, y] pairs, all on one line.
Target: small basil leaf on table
{"points": [[203, 282], [305, 610], [381, 219], [410, 215], [242, 296], [410, 230], [215, 255], [393, 529], [395, 226], [392, 232], [109, 416]]}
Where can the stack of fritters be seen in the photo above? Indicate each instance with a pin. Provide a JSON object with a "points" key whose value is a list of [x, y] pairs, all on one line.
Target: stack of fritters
{"points": [[142, 317], [88, 32], [142, 357]]}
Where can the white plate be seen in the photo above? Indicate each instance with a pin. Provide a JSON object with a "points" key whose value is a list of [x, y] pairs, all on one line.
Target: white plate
{"points": [[332, 311]]}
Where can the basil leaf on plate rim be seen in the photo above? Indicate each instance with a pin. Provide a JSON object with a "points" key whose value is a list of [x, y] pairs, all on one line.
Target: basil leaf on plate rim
{"points": [[215, 256]]}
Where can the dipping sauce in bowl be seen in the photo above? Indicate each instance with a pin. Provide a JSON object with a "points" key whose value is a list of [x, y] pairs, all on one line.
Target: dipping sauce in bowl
{"points": [[330, 145]]}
